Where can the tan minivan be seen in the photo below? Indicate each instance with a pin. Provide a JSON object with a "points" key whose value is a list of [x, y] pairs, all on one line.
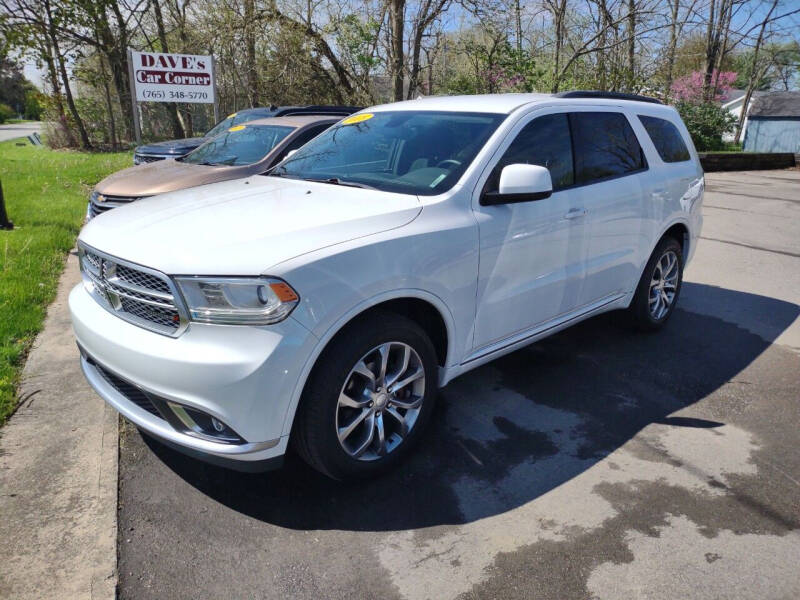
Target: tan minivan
{"points": [[243, 150]]}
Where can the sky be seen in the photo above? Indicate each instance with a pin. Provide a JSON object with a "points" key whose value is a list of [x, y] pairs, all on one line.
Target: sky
{"points": [[33, 74]]}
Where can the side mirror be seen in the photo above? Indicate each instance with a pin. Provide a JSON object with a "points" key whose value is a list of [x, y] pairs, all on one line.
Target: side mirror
{"points": [[520, 183]]}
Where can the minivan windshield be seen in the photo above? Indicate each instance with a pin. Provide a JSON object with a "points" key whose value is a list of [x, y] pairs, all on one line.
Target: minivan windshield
{"points": [[240, 145], [413, 152]]}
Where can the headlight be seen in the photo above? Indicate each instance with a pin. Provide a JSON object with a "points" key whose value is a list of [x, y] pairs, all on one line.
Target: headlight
{"points": [[237, 300]]}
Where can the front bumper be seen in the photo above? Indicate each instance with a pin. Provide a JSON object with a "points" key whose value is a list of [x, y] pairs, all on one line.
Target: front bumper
{"points": [[243, 376]]}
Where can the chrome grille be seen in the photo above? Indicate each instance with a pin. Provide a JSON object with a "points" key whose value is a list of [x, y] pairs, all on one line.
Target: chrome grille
{"points": [[140, 159], [139, 295], [141, 279], [100, 203]]}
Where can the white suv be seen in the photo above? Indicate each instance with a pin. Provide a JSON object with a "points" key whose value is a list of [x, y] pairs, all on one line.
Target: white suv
{"points": [[325, 303]]}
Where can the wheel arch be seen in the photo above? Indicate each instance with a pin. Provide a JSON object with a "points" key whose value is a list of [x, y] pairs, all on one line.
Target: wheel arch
{"points": [[679, 231], [421, 306]]}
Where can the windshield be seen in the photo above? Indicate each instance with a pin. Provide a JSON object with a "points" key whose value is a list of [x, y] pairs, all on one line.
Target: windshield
{"points": [[413, 152], [240, 145], [231, 120]]}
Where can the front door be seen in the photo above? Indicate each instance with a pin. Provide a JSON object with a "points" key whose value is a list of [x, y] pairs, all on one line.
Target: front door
{"points": [[531, 253]]}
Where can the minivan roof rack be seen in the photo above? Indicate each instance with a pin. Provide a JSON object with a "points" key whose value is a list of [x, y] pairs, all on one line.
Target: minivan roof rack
{"points": [[608, 95]]}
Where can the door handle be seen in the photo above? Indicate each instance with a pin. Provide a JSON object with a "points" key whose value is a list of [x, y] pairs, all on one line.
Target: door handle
{"points": [[575, 213]]}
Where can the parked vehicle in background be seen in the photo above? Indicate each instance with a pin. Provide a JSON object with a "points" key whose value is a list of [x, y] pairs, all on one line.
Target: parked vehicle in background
{"points": [[325, 304], [156, 151], [240, 151]]}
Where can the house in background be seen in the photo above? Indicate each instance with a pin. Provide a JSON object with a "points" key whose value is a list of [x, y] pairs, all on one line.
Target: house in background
{"points": [[773, 123], [732, 102]]}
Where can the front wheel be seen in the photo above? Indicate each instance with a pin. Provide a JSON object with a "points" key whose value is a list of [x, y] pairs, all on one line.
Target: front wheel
{"points": [[659, 288], [368, 399]]}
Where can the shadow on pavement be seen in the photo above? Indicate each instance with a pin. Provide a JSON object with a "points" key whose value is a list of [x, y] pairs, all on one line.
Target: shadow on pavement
{"points": [[515, 429]]}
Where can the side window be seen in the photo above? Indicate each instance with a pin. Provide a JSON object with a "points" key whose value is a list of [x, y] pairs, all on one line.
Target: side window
{"points": [[545, 141], [605, 146], [666, 138], [303, 139]]}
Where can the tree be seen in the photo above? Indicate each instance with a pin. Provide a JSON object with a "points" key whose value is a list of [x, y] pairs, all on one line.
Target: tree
{"points": [[756, 72], [707, 123]]}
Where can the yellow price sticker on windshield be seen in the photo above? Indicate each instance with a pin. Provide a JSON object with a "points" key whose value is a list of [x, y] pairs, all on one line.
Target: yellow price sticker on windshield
{"points": [[357, 118], [236, 128]]}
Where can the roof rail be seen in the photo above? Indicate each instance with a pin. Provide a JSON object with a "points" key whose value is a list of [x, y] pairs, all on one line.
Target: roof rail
{"points": [[316, 109], [608, 95]]}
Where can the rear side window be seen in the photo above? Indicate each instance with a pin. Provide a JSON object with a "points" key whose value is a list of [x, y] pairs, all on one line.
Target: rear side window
{"points": [[545, 141], [666, 138], [605, 146]]}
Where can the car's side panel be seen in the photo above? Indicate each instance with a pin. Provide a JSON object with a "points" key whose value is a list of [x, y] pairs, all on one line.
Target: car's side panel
{"points": [[436, 253], [616, 215], [531, 255], [434, 259]]}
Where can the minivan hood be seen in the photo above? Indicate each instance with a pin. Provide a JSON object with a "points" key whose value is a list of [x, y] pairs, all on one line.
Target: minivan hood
{"points": [[163, 176], [176, 147], [245, 226]]}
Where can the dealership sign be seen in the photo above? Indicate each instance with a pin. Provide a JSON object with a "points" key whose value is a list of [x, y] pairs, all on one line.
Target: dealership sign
{"points": [[160, 77]]}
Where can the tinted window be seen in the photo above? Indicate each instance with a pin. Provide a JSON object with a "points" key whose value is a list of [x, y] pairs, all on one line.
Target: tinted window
{"points": [[240, 145], [235, 119], [545, 141], [666, 138], [415, 152], [302, 139], [605, 146]]}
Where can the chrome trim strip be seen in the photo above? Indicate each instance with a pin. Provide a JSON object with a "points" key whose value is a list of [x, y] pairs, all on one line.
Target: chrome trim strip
{"points": [[540, 329], [160, 428], [142, 300], [132, 287]]}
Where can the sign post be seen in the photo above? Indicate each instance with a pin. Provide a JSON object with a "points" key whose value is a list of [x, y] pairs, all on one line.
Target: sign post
{"points": [[160, 77], [216, 98], [137, 127]]}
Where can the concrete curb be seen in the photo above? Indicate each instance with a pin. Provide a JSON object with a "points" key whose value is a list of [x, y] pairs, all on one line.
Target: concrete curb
{"points": [[58, 474]]}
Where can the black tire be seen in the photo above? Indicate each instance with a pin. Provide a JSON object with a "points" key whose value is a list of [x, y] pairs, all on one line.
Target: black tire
{"points": [[639, 313], [314, 435]]}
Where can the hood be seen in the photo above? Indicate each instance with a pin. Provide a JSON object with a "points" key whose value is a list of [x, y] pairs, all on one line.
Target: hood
{"points": [[165, 176], [245, 226], [176, 147]]}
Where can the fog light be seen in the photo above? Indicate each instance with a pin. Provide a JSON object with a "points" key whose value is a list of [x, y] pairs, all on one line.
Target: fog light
{"points": [[195, 422]]}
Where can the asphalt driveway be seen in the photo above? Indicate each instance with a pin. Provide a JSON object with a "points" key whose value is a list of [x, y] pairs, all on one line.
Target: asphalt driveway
{"points": [[595, 464]]}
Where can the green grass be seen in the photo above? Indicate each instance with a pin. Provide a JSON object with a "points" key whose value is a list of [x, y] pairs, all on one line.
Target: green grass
{"points": [[46, 193], [18, 121]]}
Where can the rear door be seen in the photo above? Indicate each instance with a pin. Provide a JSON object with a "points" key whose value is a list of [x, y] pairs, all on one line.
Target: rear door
{"points": [[609, 172]]}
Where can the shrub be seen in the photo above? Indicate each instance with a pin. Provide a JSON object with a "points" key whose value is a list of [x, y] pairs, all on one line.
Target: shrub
{"points": [[707, 123], [33, 105], [6, 113]]}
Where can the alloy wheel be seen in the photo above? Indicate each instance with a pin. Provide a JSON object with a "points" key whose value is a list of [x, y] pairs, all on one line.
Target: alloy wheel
{"points": [[380, 401], [663, 285]]}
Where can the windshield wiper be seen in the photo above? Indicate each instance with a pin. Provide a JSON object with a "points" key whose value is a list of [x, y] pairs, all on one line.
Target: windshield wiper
{"points": [[337, 181]]}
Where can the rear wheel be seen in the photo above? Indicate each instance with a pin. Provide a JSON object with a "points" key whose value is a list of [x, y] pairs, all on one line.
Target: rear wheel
{"points": [[659, 288], [368, 399]]}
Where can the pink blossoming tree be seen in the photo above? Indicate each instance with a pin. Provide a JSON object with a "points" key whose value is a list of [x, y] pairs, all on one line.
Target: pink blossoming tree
{"points": [[689, 88]]}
